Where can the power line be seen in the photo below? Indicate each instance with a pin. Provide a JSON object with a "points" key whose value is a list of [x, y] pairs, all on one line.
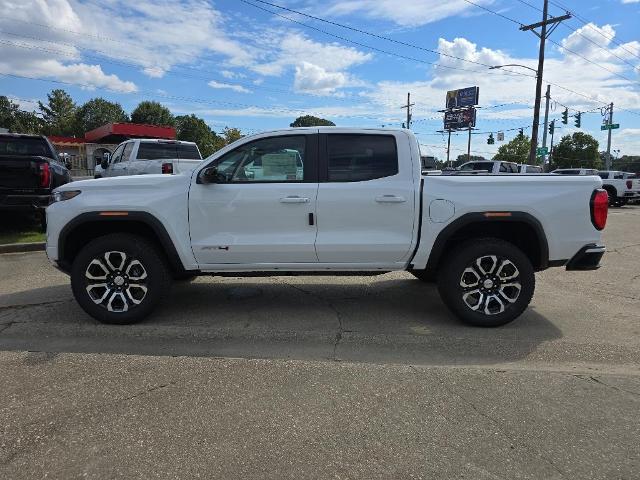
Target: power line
{"points": [[590, 24], [386, 52]]}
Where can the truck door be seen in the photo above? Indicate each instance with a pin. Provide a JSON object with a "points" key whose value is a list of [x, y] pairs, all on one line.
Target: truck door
{"points": [[366, 199], [262, 210]]}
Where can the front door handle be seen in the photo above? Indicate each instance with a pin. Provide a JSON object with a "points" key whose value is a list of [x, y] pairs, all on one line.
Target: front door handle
{"points": [[294, 199], [390, 199]]}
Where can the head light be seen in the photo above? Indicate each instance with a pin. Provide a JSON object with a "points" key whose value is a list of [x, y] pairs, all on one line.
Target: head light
{"points": [[63, 195]]}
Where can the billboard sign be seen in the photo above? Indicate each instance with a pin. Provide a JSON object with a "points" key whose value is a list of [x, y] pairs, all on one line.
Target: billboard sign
{"points": [[465, 97], [460, 119]]}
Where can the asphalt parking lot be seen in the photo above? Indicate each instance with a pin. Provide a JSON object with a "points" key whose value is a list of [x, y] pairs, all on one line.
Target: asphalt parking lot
{"points": [[324, 377]]}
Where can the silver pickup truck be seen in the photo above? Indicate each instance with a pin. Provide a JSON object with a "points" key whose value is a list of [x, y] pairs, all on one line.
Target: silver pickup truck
{"points": [[143, 156]]}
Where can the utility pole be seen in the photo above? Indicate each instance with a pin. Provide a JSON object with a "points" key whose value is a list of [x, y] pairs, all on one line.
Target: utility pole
{"points": [[543, 35], [469, 146], [546, 122], [608, 165], [408, 107], [449, 148]]}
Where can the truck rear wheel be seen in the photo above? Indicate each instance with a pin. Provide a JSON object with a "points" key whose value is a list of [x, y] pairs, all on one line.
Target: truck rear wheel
{"points": [[119, 278], [486, 282]]}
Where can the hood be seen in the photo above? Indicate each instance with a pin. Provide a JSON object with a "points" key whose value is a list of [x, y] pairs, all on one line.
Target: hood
{"points": [[132, 181]]}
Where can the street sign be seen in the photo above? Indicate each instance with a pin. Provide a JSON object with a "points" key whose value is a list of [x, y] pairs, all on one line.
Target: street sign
{"points": [[542, 151], [501, 136], [613, 126], [465, 97], [460, 119]]}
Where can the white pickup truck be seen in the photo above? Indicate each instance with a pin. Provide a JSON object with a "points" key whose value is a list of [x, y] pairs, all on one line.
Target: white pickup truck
{"points": [[323, 201], [143, 156]]}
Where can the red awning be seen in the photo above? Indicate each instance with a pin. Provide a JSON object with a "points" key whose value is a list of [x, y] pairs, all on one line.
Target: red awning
{"points": [[117, 132], [56, 139]]}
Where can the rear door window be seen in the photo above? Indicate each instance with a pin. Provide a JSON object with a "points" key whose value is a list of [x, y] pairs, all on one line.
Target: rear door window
{"points": [[358, 158]]}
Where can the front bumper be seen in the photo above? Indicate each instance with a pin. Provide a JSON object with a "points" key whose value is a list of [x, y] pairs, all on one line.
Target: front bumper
{"points": [[588, 258]]}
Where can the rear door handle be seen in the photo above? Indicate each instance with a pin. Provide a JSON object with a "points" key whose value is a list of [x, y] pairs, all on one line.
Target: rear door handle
{"points": [[294, 199], [390, 199]]}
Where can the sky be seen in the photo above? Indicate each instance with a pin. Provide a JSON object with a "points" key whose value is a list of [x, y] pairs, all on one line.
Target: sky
{"points": [[255, 66]]}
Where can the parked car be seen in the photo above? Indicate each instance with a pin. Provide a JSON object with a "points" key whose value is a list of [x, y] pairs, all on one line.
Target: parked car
{"points": [[29, 170], [489, 166], [144, 156], [575, 171], [525, 168], [635, 185], [358, 205], [618, 186], [613, 182]]}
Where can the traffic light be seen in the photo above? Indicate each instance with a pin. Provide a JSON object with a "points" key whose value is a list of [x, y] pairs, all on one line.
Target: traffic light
{"points": [[552, 127], [521, 133], [577, 117], [490, 140], [565, 116]]}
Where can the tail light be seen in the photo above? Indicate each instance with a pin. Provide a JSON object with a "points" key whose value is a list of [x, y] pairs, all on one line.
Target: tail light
{"points": [[167, 168], [599, 208], [45, 175], [629, 184]]}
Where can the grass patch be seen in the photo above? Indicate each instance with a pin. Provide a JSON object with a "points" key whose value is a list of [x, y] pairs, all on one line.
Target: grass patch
{"points": [[25, 228]]}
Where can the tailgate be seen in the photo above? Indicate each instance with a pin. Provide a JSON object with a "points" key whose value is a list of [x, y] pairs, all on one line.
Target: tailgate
{"points": [[184, 165], [20, 172]]}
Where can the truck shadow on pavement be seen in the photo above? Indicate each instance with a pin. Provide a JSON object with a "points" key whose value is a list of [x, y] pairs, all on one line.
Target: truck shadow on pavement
{"points": [[367, 319]]}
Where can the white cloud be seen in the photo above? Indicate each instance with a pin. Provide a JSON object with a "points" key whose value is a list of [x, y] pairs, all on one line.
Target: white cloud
{"points": [[630, 1], [229, 86], [411, 14], [315, 79], [64, 63]]}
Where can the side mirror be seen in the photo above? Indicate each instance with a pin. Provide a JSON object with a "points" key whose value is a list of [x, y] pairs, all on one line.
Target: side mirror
{"points": [[209, 175], [68, 164], [105, 160]]}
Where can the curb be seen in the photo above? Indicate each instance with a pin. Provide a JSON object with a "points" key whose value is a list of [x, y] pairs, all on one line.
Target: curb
{"points": [[22, 247]]}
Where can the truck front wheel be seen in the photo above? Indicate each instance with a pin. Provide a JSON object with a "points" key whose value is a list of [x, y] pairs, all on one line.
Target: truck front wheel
{"points": [[119, 278], [486, 282]]}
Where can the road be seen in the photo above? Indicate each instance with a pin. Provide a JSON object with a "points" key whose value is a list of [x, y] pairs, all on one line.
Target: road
{"points": [[324, 377]]}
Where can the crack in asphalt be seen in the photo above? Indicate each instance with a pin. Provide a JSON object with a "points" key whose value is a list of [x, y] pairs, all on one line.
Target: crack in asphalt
{"points": [[591, 378], [29, 305], [340, 330], [498, 426], [146, 391]]}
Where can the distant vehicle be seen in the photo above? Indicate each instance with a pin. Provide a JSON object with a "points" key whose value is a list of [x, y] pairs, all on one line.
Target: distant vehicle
{"points": [[618, 186], [635, 184], [489, 166], [359, 204], [576, 171], [143, 156], [524, 168], [29, 170]]}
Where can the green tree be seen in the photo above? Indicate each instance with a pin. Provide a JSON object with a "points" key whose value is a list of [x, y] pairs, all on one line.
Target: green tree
{"points": [[231, 135], [517, 150], [18, 121], [98, 111], [311, 121], [577, 150], [152, 113], [59, 113], [194, 129]]}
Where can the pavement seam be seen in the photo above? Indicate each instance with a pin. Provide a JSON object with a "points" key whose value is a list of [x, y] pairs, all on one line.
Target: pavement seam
{"points": [[495, 423], [591, 378]]}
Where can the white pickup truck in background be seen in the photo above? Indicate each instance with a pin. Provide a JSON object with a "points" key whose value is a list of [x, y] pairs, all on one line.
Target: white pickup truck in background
{"points": [[143, 156], [616, 183], [324, 201]]}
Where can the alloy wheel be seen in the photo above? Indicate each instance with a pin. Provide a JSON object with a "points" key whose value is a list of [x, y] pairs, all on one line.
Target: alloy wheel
{"points": [[116, 281], [490, 284]]}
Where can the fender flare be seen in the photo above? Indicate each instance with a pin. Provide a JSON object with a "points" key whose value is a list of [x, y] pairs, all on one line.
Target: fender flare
{"points": [[131, 216], [438, 249]]}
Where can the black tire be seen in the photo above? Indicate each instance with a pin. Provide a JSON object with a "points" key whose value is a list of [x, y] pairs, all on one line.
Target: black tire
{"points": [[481, 308], [140, 286]]}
